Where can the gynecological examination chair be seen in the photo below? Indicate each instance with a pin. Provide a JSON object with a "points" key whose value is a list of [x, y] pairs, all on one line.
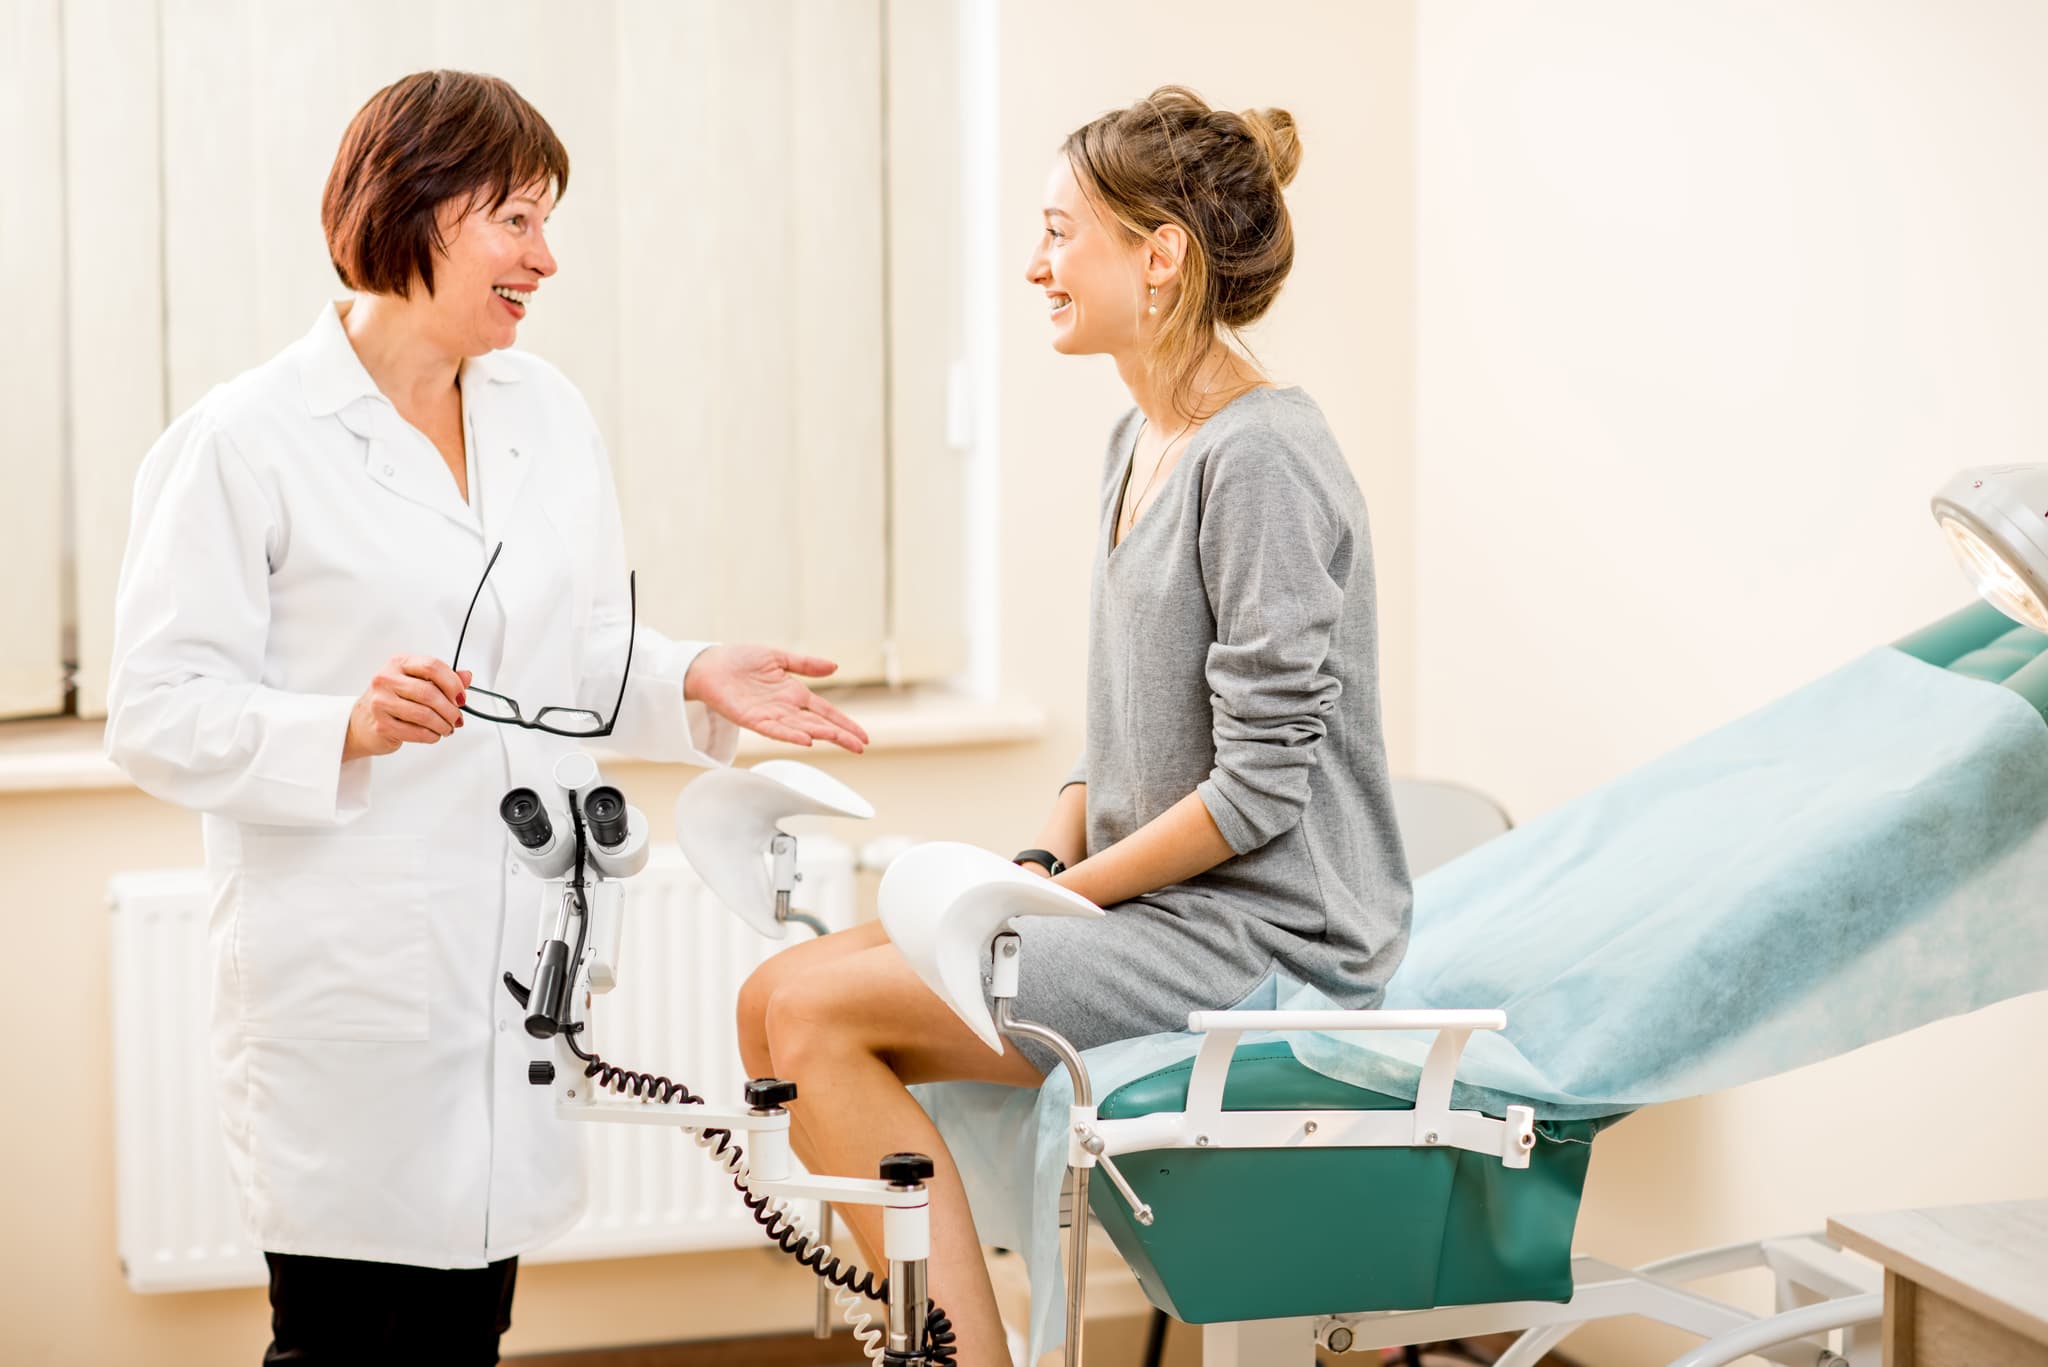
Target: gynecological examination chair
{"points": [[1858, 858]]}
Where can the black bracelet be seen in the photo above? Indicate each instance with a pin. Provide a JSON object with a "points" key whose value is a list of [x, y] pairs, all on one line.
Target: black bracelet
{"points": [[1045, 859]]}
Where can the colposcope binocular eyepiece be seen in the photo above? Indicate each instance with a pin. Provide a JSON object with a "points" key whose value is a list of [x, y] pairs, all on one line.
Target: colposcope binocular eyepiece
{"points": [[526, 816], [605, 810]]}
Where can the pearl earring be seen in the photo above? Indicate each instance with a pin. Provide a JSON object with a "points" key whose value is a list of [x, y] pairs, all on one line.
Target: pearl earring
{"points": [[1153, 308]]}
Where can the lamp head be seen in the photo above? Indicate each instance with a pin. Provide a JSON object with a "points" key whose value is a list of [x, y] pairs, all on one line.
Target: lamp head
{"points": [[1996, 520], [943, 903], [726, 818]]}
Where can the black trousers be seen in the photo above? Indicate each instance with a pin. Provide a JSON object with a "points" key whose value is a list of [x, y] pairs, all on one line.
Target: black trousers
{"points": [[326, 1312]]}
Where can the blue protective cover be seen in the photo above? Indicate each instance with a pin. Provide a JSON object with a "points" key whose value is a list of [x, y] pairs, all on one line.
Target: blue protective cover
{"points": [[1854, 860], [1859, 858]]}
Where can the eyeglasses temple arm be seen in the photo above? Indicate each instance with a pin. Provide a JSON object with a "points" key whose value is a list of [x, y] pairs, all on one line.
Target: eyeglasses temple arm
{"points": [[632, 630], [464, 635]]}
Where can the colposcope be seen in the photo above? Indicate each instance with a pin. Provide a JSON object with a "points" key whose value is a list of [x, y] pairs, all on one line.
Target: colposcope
{"points": [[581, 843]]}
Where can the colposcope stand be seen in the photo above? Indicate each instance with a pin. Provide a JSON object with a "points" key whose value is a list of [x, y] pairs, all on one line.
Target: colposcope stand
{"points": [[762, 1127], [581, 863]]}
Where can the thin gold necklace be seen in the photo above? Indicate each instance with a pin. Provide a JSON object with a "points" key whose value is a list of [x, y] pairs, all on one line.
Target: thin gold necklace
{"points": [[1138, 504]]}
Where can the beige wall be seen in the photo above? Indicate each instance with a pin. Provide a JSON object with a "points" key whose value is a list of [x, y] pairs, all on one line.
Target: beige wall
{"points": [[1342, 330], [1709, 299], [1712, 297]]}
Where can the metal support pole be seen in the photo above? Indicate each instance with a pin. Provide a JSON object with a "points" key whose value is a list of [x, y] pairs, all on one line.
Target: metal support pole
{"points": [[1084, 1095], [908, 1300], [907, 1245], [1077, 1271]]}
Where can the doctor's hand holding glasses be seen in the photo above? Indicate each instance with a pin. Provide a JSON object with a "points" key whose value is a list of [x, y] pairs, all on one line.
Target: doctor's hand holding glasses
{"points": [[417, 699]]}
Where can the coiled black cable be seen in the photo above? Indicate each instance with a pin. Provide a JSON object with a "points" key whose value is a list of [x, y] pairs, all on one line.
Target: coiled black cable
{"points": [[939, 1338], [641, 1086], [782, 1230]]}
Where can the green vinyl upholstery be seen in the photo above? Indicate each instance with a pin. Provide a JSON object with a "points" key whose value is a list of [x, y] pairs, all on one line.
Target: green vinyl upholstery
{"points": [[1981, 642], [1269, 1233]]}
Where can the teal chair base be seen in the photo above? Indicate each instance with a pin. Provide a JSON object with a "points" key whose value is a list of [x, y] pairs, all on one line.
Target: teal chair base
{"points": [[1271, 1233]]}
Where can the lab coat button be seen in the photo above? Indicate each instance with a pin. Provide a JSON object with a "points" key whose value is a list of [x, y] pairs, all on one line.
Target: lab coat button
{"points": [[515, 453], [501, 1027], [389, 469]]}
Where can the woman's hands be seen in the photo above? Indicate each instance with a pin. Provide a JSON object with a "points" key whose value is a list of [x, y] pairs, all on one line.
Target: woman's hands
{"points": [[757, 687], [413, 700], [1178, 844]]}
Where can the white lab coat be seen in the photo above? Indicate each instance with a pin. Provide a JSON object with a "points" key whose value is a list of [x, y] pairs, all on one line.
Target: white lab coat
{"points": [[291, 533]]}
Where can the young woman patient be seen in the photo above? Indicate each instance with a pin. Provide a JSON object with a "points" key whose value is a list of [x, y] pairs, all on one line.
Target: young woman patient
{"points": [[1232, 809]]}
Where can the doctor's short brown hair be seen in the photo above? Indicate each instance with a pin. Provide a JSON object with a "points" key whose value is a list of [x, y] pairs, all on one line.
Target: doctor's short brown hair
{"points": [[418, 143]]}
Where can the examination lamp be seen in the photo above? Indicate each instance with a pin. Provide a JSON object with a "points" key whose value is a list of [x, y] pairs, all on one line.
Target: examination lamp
{"points": [[1996, 520], [729, 823]]}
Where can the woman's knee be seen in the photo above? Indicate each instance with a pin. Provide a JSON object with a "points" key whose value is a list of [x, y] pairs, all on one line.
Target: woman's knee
{"points": [[751, 1012], [803, 1020], [756, 1046]]}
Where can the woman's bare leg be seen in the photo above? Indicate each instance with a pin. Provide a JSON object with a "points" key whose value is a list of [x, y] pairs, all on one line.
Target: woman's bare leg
{"points": [[852, 1037], [761, 986]]}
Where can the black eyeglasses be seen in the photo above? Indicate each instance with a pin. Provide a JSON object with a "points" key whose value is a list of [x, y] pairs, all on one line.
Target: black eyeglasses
{"points": [[579, 723]]}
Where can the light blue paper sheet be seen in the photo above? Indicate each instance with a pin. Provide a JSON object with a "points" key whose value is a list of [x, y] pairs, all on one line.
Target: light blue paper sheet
{"points": [[1857, 859]]}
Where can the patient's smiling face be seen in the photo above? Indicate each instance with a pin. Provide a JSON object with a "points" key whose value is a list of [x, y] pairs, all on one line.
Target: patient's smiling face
{"points": [[1092, 272]]}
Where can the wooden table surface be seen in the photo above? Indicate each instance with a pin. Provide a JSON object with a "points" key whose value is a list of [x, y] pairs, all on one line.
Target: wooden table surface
{"points": [[1989, 1260]]}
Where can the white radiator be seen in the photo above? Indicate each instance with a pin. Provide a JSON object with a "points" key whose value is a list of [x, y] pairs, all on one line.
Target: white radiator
{"points": [[651, 1190]]}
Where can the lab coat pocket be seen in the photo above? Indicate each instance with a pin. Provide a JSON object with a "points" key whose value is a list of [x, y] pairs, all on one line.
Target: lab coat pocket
{"points": [[331, 939]]}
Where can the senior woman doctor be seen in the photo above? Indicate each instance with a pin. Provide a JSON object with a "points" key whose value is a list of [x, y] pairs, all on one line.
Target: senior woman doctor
{"points": [[305, 546]]}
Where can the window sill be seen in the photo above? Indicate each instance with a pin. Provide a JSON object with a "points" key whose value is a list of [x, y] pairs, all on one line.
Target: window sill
{"points": [[929, 718], [63, 755]]}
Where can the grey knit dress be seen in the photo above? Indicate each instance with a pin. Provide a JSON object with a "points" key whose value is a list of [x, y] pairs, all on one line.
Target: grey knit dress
{"points": [[1232, 652]]}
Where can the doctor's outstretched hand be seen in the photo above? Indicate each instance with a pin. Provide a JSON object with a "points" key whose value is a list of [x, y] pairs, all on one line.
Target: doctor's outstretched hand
{"points": [[758, 687]]}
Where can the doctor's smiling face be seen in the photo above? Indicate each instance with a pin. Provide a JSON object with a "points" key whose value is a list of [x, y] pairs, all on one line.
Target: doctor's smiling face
{"points": [[436, 212], [490, 266]]}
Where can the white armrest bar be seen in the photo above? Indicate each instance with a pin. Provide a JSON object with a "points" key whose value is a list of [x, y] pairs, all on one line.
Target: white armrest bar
{"points": [[1431, 1122], [1201, 1021]]}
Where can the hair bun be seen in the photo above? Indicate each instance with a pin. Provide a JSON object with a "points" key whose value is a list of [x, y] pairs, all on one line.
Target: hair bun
{"points": [[1274, 129]]}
